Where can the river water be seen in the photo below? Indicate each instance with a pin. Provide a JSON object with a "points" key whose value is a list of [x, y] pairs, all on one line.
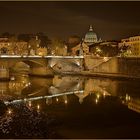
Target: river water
{"points": [[84, 107]]}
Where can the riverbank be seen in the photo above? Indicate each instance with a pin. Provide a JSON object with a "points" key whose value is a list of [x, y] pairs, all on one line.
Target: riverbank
{"points": [[86, 73], [22, 121], [101, 74], [109, 75]]}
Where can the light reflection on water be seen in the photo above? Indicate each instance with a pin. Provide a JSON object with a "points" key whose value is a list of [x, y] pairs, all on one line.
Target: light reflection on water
{"points": [[60, 88]]}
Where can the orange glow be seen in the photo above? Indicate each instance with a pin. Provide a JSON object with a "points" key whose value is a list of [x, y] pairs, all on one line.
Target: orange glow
{"points": [[66, 101], [38, 107], [9, 111], [98, 96], [96, 101], [30, 103]]}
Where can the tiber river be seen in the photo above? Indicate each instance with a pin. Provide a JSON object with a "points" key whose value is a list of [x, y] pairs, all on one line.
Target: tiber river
{"points": [[84, 107]]}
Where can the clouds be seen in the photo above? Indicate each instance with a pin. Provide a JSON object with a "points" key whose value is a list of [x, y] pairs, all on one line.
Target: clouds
{"points": [[111, 20]]}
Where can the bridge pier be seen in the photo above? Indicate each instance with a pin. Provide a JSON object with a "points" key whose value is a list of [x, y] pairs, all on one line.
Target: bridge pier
{"points": [[41, 71], [66, 65], [4, 74]]}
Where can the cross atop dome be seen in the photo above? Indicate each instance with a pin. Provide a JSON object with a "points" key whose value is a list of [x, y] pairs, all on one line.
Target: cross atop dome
{"points": [[90, 28]]}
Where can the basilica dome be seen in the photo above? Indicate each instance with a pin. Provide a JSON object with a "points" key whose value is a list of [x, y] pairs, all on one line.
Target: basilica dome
{"points": [[90, 36]]}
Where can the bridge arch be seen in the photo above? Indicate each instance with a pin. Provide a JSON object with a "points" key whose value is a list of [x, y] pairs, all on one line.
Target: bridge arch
{"points": [[28, 63], [25, 66], [20, 67], [33, 63]]}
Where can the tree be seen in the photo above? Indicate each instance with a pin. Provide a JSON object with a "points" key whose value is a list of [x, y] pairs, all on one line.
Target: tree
{"points": [[73, 41], [57, 46], [34, 44], [24, 37], [12, 44], [7, 34], [44, 40], [124, 50]]}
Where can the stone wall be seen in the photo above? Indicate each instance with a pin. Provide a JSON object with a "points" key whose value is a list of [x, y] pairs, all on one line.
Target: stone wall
{"points": [[115, 65], [91, 62], [4, 73], [129, 65]]}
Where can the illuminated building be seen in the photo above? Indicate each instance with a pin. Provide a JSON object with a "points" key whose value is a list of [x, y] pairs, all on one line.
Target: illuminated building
{"points": [[83, 48], [5, 45], [90, 37], [62, 51], [133, 45], [13, 47], [80, 49], [41, 51], [134, 104]]}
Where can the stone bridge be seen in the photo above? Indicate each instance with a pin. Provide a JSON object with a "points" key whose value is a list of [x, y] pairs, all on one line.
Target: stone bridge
{"points": [[38, 65]]}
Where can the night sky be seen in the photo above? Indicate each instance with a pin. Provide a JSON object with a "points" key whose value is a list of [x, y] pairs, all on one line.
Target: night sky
{"points": [[110, 20]]}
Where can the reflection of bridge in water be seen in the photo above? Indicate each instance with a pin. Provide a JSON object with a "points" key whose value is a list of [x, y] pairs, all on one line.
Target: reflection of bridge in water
{"points": [[42, 97], [60, 87], [133, 104]]}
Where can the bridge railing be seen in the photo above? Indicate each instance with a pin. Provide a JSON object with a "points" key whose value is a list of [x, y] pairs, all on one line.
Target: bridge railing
{"points": [[38, 56]]}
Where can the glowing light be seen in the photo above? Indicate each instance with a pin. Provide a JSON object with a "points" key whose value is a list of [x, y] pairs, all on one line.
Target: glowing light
{"points": [[105, 59], [98, 96], [12, 78], [38, 56], [26, 85], [66, 101], [38, 107], [57, 99], [129, 98], [4, 56], [30, 103], [9, 111], [40, 53], [98, 50], [96, 101], [78, 63], [104, 94]]}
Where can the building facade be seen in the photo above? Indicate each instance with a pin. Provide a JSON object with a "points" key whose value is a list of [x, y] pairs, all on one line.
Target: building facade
{"points": [[41, 51], [133, 45], [13, 47]]}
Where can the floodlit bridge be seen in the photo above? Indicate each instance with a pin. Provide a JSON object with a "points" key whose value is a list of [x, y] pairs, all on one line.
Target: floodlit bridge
{"points": [[39, 65]]}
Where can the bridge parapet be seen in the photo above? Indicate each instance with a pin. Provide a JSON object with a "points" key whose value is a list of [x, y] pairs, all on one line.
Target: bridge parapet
{"points": [[38, 56], [42, 64]]}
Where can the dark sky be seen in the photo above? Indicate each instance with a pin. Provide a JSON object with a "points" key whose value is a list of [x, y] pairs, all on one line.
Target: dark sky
{"points": [[110, 20]]}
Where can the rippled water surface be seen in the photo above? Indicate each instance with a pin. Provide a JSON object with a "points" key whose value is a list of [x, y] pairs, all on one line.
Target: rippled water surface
{"points": [[82, 107]]}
